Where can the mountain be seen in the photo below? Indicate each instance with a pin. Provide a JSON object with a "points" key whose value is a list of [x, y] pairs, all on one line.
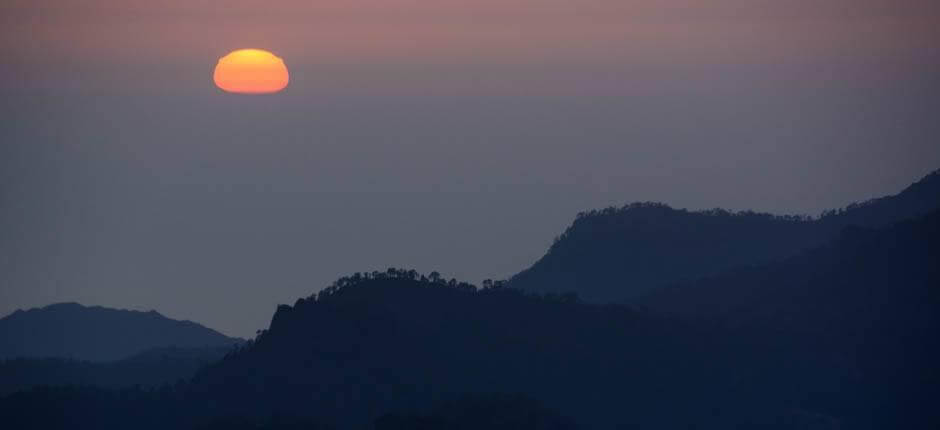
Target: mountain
{"points": [[393, 343], [869, 302], [898, 265], [70, 330], [151, 368], [841, 336], [480, 411], [616, 254], [868, 287], [844, 335]]}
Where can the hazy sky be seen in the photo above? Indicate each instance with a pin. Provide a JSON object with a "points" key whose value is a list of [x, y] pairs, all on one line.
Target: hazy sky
{"points": [[458, 136]]}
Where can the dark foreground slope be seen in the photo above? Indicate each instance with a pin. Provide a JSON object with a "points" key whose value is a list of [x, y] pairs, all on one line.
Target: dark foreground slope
{"points": [[151, 368], [473, 412], [845, 335], [617, 254], [394, 344], [392, 341], [70, 330], [841, 337], [871, 299]]}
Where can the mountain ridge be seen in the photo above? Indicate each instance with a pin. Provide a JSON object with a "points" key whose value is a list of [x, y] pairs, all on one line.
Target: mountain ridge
{"points": [[97, 333], [618, 254], [377, 346], [861, 357]]}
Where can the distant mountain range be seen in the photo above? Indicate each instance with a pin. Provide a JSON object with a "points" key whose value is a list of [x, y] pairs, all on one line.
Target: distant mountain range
{"points": [[745, 321], [70, 330], [617, 254], [840, 336]]}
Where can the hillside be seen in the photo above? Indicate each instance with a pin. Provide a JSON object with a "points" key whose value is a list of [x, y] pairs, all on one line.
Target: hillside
{"points": [[617, 254], [70, 330], [841, 336], [871, 298], [868, 287], [823, 352], [151, 368], [390, 341]]}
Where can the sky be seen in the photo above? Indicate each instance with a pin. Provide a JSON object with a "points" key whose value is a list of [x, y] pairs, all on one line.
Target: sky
{"points": [[436, 135]]}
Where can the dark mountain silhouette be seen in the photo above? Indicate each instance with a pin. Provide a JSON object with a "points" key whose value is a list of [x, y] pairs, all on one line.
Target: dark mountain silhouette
{"points": [[872, 296], [864, 274], [844, 335], [616, 254], [172, 408], [480, 411], [868, 303], [396, 341], [153, 367], [70, 330]]}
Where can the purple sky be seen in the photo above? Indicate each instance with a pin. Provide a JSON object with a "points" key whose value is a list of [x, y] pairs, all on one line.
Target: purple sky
{"points": [[440, 135]]}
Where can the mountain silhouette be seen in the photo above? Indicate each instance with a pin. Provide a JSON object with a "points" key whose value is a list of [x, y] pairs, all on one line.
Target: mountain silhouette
{"points": [[616, 254], [70, 330], [494, 411], [373, 344], [842, 335], [151, 368], [868, 303], [863, 275]]}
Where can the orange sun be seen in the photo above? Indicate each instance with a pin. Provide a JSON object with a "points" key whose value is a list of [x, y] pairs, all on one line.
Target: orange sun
{"points": [[251, 71]]}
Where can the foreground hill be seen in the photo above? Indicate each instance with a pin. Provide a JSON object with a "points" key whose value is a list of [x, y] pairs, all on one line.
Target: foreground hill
{"points": [[617, 254], [473, 412], [392, 341], [845, 337], [393, 344], [70, 330], [151, 368]]}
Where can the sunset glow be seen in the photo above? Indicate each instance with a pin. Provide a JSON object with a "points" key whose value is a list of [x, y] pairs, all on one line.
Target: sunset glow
{"points": [[251, 71]]}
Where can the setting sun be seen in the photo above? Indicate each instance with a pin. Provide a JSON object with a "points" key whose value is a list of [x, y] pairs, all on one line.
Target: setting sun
{"points": [[251, 71]]}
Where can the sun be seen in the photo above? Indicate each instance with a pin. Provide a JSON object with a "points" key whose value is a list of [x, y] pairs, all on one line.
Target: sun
{"points": [[251, 71]]}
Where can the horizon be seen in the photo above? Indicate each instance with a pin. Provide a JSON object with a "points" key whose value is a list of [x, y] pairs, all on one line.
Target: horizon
{"points": [[144, 309], [441, 135]]}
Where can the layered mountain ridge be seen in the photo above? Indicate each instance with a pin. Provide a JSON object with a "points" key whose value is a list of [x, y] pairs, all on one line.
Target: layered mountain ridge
{"points": [[95, 333], [619, 254]]}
